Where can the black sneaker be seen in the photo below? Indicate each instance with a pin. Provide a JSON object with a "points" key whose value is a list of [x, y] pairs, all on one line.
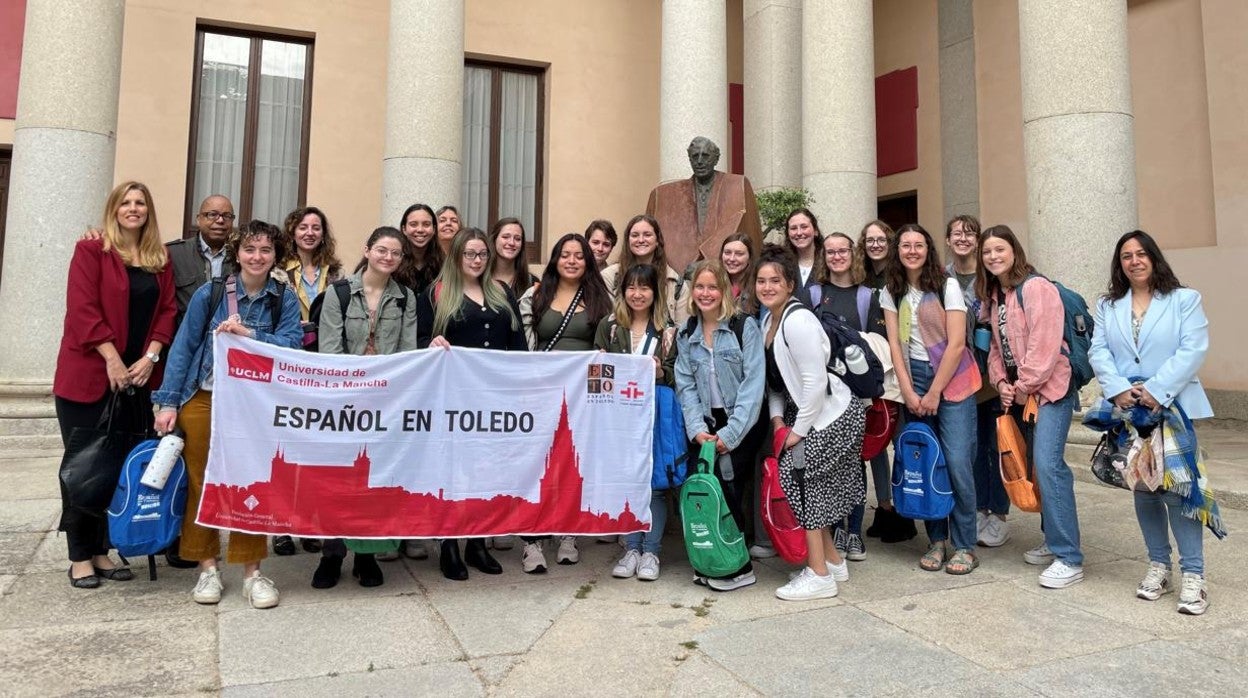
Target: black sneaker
{"points": [[283, 545]]}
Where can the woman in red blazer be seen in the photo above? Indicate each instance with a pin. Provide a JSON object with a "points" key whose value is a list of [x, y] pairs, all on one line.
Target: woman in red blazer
{"points": [[119, 311]]}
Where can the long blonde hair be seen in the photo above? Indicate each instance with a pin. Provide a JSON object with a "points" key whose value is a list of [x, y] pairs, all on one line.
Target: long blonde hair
{"points": [[727, 304], [448, 288], [151, 251]]}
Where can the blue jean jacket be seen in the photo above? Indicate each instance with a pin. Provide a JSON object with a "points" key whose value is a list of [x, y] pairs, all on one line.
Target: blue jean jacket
{"points": [[190, 357], [740, 369]]}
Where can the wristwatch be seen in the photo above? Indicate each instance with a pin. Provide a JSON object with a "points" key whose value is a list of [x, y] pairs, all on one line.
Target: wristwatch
{"points": [[153, 357]]}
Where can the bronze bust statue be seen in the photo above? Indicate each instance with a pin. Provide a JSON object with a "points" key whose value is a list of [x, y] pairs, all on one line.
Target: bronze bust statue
{"points": [[696, 214]]}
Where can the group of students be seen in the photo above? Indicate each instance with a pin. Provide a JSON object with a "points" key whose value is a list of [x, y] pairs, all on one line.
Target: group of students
{"points": [[738, 338]]}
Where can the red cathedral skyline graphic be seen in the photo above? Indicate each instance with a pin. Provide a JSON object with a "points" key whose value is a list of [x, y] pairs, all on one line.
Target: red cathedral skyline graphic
{"points": [[335, 500]]}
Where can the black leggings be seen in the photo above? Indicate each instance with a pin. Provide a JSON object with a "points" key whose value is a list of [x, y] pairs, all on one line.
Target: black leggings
{"points": [[735, 490]]}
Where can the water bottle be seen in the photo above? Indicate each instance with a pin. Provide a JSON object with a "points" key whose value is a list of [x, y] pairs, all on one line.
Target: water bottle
{"points": [[163, 460], [855, 360]]}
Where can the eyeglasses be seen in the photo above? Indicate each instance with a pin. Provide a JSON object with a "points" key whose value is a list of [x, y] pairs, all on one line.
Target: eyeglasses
{"points": [[963, 235], [393, 254], [214, 215], [476, 255], [877, 242], [838, 253]]}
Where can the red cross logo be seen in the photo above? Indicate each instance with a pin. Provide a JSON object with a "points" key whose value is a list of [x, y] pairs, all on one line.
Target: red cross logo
{"points": [[631, 392]]}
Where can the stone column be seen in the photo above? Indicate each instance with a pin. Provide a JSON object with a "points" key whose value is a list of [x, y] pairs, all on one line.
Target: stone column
{"points": [[63, 149], [959, 135], [773, 93], [424, 106], [693, 82], [1077, 136], [838, 112]]}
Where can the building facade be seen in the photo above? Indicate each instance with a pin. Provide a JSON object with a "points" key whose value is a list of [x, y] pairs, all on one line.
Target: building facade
{"points": [[1072, 122]]}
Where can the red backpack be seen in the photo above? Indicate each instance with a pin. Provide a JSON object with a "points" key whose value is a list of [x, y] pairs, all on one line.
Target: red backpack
{"points": [[881, 424], [787, 535]]}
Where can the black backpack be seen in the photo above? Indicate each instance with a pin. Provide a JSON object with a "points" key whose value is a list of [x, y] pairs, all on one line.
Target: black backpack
{"points": [[274, 302], [311, 328], [846, 341], [736, 323]]}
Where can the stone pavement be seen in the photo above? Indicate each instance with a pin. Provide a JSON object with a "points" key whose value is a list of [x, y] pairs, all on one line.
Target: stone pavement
{"points": [[894, 629]]}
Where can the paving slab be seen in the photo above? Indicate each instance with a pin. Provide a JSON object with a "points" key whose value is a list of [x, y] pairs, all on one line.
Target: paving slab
{"points": [[302, 641], [990, 684], [30, 478], [29, 515], [18, 548], [492, 670], [837, 651], [6, 583], [48, 600], [1108, 591], [1001, 626], [699, 676], [449, 678], [293, 576], [154, 656], [1230, 644], [1157, 668], [600, 647], [501, 619]]}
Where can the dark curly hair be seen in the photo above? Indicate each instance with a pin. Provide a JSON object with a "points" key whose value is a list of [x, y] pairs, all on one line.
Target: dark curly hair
{"points": [[784, 260], [252, 229], [326, 252]]}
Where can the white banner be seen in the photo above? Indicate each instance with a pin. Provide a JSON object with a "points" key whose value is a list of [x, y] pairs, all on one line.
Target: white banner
{"points": [[431, 443]]}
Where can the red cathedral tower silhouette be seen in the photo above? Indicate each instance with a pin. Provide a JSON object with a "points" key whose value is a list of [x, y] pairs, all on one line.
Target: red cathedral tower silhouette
{"points": [[562, 482]]}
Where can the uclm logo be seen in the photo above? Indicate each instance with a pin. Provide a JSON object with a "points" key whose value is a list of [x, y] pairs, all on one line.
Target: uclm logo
{"points": [[249, 366]]}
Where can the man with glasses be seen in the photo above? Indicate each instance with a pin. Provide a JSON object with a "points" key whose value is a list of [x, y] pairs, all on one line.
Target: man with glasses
{"points": [[202, 257]]}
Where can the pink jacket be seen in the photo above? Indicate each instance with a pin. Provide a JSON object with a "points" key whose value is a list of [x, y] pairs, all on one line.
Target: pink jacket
{"points": [[1035, 336]]}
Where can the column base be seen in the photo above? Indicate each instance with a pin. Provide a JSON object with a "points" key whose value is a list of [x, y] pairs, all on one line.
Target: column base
{"points": [[27, 417]]}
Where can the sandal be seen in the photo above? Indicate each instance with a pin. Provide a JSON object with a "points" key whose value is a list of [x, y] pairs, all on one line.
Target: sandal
{"points": [[934, 558], [962, 562]]}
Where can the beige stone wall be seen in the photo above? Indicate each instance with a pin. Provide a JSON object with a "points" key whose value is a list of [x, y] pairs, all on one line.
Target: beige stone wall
{"points": [[6, 131], [906, 34], [602, 99]]}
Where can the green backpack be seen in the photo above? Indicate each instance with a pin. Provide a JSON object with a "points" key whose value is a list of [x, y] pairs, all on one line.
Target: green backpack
{"points": [[715, 545]]}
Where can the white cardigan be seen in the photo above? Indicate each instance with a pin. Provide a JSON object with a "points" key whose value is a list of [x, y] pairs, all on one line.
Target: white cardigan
{"points": [[802, 350]]}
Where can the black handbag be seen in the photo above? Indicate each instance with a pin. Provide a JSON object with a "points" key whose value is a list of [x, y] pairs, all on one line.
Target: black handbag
{"points": [[94, 456], [1109, 461]]}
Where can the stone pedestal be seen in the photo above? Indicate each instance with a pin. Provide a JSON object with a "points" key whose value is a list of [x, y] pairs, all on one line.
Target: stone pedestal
{"points": [[773, 93], [1079, 150], [838, 112], [63, 150], [424, 106], [693, 81]]}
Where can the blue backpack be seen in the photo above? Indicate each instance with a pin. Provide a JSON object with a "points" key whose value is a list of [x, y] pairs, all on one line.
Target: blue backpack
{"points": [[1076, 332], [921, 487], [671, 449], [143, 520]]}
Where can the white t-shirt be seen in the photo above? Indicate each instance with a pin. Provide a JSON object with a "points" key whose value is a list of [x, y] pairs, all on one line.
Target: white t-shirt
{"points": [[954, 300], [804, 272]]}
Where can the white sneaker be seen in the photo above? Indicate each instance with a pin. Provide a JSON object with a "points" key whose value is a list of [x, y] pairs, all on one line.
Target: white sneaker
{"points": [[1193, 598], [627, 566], [503, 542], [839, 572], [260, 591], [648, 568], [981, 519], [209, 587], [415, 550], [995, 533], [1060, 575], [762, 552], [1155, 584], [533, 559], [737, 582], [807, 586], [567, 554], [1039, 555]]}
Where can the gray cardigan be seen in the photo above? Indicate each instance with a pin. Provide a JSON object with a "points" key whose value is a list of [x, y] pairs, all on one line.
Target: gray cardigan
{"points": [[396, 328]]}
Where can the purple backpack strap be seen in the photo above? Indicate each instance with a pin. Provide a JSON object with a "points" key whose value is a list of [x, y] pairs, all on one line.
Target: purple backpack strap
{"points": [[864, 305]]}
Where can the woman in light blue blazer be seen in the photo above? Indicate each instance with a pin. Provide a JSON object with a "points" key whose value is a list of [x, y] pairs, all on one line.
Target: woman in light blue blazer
{"points": [[1150, 339]]}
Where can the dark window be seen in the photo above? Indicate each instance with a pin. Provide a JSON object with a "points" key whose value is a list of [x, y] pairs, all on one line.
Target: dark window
{"points": [[252, 93], [503, 124]]}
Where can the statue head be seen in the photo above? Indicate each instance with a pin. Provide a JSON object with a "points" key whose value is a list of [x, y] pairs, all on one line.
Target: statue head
{"points": [[703, 156]]}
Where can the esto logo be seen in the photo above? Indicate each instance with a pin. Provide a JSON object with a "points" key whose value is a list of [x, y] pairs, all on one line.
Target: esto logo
{"points": [[249, 366]]}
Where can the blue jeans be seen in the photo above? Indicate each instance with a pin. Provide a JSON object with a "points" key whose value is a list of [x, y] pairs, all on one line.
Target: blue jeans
{"points": [[1152, 509], [990, 493], [1057, 483], [954, 425], [651, 542]]}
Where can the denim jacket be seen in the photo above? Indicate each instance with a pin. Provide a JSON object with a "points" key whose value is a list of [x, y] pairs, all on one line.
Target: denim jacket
{"points": [[740, 369], [190, 357]]}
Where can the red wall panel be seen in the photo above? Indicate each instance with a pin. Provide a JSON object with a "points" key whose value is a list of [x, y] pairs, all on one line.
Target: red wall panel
{"points": [[12, 25], [897, 121]]}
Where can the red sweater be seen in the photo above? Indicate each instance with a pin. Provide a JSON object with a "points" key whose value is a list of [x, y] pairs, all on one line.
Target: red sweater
{"points": [[97, 311]]}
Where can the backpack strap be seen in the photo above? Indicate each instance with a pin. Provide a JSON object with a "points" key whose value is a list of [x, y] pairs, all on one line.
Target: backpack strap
{"points": [[1018, 290], [214, 300], [815, 293], [275, 306], [342, 288], [864, 305], [736, 323]]}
